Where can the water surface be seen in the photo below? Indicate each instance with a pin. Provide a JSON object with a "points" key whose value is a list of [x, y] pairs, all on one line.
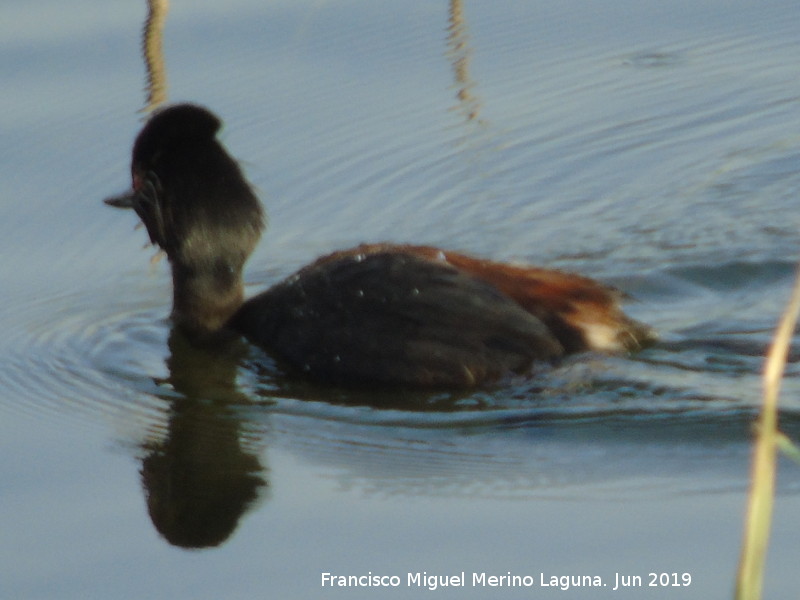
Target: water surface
{"points": [[651, 145]]}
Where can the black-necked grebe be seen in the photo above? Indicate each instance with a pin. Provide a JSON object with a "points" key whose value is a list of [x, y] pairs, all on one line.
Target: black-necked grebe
{"points": [[377, 313]]}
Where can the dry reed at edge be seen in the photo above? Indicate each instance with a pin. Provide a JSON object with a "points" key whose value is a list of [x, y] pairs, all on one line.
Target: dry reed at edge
{"points": [[750, 575]]}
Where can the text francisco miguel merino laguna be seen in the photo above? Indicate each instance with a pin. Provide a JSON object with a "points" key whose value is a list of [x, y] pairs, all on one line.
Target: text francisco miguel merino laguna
{"points": [[561, 582]]}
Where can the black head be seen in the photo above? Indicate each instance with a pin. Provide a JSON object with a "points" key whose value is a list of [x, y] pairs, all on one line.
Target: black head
{"points": [[190, 193]]}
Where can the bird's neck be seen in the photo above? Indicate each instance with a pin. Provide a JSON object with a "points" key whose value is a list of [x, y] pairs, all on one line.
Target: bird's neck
{"points": [[204, 299]]}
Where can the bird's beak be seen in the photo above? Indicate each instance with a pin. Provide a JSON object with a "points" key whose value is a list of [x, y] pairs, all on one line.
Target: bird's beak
{"points": [[126, 200]]}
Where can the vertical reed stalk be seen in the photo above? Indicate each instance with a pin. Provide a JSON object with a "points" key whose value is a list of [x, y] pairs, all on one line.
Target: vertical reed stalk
{"points": [[750, 577], [153, 52]]}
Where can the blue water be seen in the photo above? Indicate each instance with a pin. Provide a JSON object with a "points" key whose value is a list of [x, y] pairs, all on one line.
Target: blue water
{"points": [[651, 145]]}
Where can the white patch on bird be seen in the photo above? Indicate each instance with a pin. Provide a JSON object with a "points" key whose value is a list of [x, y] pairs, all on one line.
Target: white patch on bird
{"points": [[602, 337]]}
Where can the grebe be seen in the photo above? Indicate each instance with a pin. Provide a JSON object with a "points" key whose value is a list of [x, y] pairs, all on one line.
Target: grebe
{"points": [[373, 314]]}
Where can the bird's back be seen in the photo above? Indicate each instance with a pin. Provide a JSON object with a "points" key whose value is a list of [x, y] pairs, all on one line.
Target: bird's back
{"points": [[384, 315]]}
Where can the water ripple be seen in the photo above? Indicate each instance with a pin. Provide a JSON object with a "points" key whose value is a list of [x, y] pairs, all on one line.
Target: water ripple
{"points": [[74, 353], [69, 357]]}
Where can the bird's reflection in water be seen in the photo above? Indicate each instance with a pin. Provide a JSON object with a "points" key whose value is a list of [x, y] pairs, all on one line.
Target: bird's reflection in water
{"points": [[205, 473]]}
